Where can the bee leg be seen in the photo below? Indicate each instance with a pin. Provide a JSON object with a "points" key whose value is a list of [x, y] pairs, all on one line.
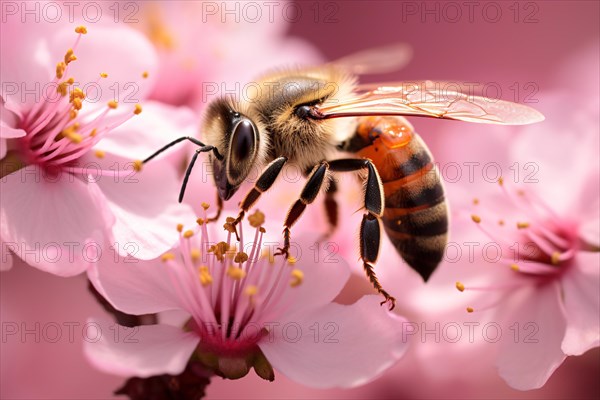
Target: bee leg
{"points": [[264, 183], [309, 193], [331, 206], [370, 227], [219, 209], [188, 171]]}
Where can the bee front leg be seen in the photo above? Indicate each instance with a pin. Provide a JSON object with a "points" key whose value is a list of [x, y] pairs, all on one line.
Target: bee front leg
{"points": [[309, 193], [370, 227], [264, 183]]}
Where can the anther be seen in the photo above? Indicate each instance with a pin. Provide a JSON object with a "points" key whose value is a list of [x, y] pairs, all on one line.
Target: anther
{"points": [[205, 277], [241, 257], [256, 219], [179, 228], [236, 273], [555, 258], [476, 218], [460, 287], [188, 234], [167, 257], [195, 254], [137, 110], [112, 104], [99, 153], [470, 309], [81, 30], [522, 225], [137, 165], [297, 277]]}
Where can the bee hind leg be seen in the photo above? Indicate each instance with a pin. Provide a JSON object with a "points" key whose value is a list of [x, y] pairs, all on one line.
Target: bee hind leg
{"points": [[370, 227]]}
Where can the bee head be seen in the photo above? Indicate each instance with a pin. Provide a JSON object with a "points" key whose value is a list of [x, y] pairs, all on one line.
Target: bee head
{"points": [[237, 139]]}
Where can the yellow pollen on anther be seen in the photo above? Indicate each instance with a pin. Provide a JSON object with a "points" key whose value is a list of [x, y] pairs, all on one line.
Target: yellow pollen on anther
{"points": [[251, 290], [93, 132], [99, 153], [241, 257], [470, 309], [179, 228], [77, 93], [235, 273], [501, 222], [77, 103], [69, 56], [219, 250], [72, 114], [297, 278], [292, 260], [475, 201], [555, 259], [188, 234], [476, 218], [137, 110], [256, 219], [74, 137], [522, 225], [81, 29], [145, 74], [460, 287], [501, 181], [514, 267], [103, 75], [112, 104], [137, 165], [205, 277], [60, 69], [200, 221], [195, 254], [228, 226], [167, 256], [205, 205]]}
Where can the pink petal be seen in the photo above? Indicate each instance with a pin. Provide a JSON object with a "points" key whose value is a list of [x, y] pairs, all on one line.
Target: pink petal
{"points": [[6, 262], [156, 126], [142, 351], [135, 286], [146, 209], [118, 50], [53, 224], [8, 123], [582, 304], [27, 63], [336, 345], [325, 274], [528, 362]]}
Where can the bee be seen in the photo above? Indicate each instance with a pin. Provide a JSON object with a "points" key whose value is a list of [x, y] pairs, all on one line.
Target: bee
{"points": [[312, 117]]}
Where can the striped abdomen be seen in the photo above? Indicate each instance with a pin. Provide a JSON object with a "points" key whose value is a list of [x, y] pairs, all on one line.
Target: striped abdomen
{"points": [[415, 217]]}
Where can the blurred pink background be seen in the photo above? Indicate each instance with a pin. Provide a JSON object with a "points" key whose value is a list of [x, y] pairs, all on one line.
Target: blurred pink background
{"points": [[482, 51]]}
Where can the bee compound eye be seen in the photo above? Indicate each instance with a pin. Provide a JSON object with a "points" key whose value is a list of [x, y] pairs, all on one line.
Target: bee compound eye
{"points": [[303, 112], [243, 141]]}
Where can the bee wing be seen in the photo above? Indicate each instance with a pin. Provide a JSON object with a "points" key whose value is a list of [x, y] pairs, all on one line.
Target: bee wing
{"points": [[376, 60], [426, 99]]}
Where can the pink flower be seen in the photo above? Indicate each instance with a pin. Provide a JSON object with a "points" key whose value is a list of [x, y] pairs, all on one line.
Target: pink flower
{"points": [[206, 50], [247, 310], [525, 257], [67, 192]]}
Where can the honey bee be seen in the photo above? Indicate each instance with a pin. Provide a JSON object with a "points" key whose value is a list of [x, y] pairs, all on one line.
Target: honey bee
{"points": [[311, 117]]}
